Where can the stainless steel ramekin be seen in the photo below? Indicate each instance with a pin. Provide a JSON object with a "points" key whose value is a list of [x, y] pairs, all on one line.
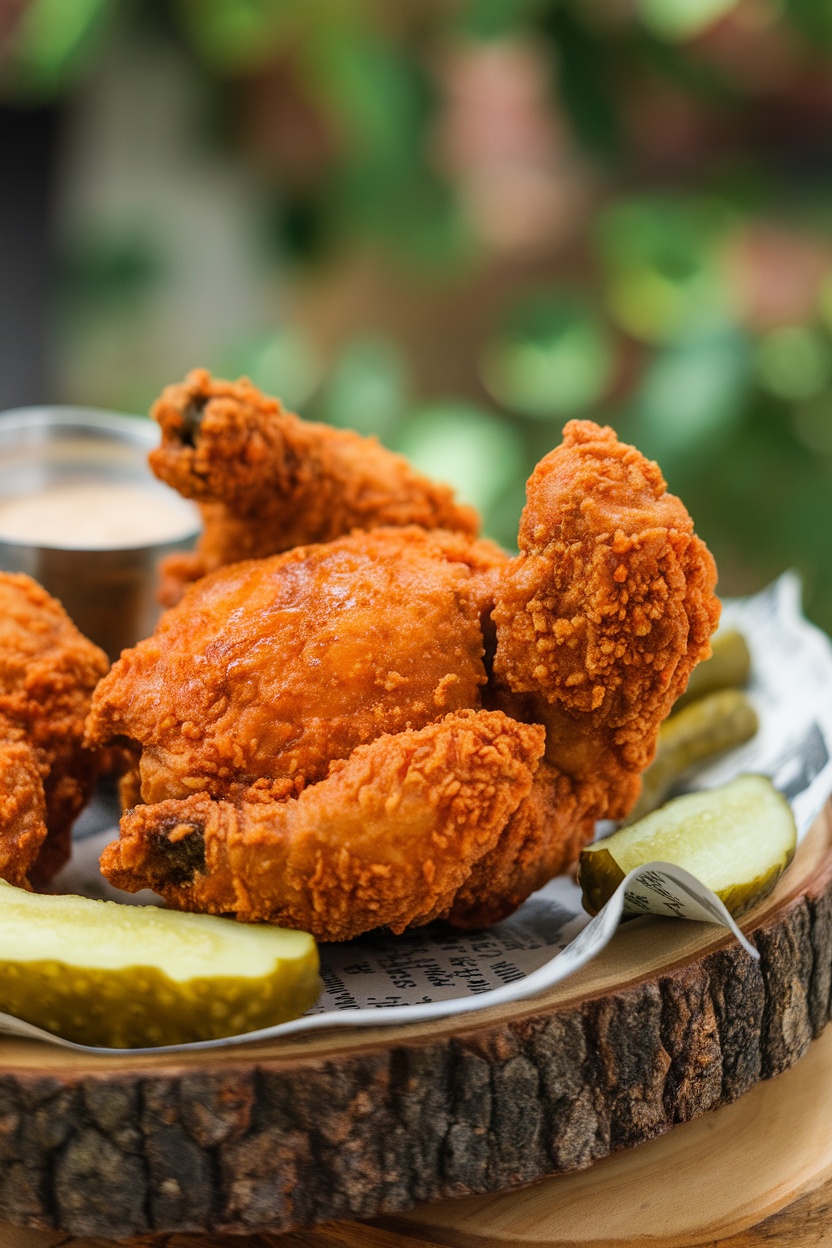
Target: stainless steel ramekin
{"points": [[109, 593]]}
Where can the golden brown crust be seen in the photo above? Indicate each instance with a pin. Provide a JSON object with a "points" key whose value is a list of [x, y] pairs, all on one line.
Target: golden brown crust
{"points": [[48, 671], [268, 481], [386, 840], [543, 839], [605, 612], [22, 808], [372, 646], [273, 668]]}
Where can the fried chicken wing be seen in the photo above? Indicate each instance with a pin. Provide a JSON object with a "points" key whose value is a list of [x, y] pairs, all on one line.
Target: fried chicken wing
{"points": [[48, 671], [267, 481], [385, 840], [305, 720], [606, 611]]}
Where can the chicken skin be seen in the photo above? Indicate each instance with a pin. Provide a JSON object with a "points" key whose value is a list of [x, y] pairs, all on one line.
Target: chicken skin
{"points": [[267, 481], [48, 671], [606, 611], [387, 839], [271, 669], [400, 725]]}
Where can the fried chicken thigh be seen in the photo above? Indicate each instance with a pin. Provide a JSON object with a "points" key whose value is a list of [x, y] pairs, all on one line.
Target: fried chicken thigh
{"points": [[48, 671], [322, 744], [271, 669], [267, 481]]}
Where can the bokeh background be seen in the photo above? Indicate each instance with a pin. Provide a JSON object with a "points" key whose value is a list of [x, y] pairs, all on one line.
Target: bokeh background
{"points": [[452, 223]]}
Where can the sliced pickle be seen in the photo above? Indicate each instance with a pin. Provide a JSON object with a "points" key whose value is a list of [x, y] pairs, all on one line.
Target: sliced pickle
{"points": [[119, 976], [718, 722], [728, 668], [737, 839]]}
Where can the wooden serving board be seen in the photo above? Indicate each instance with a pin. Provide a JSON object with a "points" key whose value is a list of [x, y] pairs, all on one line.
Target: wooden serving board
{"points": [[754, 1174], [672, 1020]]}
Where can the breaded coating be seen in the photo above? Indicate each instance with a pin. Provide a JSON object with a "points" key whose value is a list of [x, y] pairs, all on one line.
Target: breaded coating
{"points": [[312, 746], [386, 840], [22, 807], [606, 611], [267, 481], [543, 839], [48, 671], [270, 669]]}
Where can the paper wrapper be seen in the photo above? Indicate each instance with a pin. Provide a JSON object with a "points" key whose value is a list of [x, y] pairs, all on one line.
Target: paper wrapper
{"points": [[429, 973]]}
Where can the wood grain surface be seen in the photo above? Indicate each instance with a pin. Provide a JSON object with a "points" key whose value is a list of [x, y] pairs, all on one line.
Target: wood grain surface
{"points": [[756, 1173], [673, 1020]]}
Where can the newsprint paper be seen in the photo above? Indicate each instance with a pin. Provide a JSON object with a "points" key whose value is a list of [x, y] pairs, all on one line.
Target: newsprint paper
{"points": [[435, 973]]}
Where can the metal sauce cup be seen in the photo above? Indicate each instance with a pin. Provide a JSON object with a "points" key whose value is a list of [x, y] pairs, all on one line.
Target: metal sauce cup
{"points": [[110, 593]]}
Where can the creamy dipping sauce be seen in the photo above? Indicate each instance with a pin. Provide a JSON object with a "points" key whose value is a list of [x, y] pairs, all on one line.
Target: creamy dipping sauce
{"points": [[95, 515]]}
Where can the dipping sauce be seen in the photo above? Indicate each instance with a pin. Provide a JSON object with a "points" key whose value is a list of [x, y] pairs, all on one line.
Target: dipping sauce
{"points": [[95, 515], [81, 512]]}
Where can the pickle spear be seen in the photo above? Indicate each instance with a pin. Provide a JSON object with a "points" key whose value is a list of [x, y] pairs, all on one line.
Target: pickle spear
{"points": [[117, 976], [728, 668], [737, 840], [720, 721]]}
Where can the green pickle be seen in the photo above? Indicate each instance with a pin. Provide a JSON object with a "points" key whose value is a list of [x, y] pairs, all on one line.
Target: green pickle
{"points": [[119, 976], [728, 668], [720, 721], [737, 839]]}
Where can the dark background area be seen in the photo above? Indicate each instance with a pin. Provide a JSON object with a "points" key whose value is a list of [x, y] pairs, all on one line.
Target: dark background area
{"points": [[28, 144]]}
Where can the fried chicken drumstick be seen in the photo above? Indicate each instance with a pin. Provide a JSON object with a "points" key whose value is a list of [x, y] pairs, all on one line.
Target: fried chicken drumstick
{"points": [[387, 838], [48, 671], [322, 744], [267, 481]]}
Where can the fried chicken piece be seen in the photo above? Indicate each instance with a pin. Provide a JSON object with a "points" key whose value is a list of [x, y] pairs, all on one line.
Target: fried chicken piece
{"points": [[270, 669], [267, 481], [370, 646], [605, 613], [599, 621], [48, 671], [386, 840], [22, 807], [543, 839]]}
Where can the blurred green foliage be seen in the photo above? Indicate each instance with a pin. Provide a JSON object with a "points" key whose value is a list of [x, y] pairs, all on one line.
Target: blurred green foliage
{"points": [[284, 363], [679, 19], [699, 127], [51, 43], [691, 398], [552, 357], [664, 280], [112, 270], [474, 450], [368, 389]]}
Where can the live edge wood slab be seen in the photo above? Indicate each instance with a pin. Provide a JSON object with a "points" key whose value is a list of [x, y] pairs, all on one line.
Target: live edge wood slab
{"points": [[674, 1019], [753, 1174]]}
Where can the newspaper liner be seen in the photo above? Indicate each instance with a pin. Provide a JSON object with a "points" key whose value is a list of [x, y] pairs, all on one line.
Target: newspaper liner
{"points": [[430, 974]]}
